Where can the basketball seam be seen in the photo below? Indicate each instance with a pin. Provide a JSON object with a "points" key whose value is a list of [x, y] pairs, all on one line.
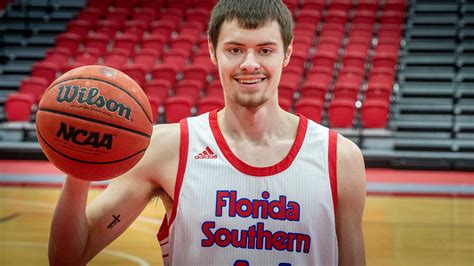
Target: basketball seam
{"points": [[88, 162], [94, 121], [108, 82]]}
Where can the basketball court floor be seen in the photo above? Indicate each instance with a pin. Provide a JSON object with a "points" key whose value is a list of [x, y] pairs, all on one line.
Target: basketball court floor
{"points": [[411, 218]]}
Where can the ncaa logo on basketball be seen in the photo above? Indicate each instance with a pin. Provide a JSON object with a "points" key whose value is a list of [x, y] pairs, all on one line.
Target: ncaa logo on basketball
{"points": [[83, 137], [92, 97]]}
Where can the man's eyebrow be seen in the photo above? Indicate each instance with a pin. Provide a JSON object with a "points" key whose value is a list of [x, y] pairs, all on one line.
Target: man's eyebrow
{"points": [[241, 44]]}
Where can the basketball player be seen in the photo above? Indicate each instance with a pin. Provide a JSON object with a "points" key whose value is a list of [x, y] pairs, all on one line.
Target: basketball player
{"points": [[250, 184]]}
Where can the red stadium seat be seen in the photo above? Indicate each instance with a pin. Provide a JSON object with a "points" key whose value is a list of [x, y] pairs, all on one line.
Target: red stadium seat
{"points": [[69, 41], [144, 14], [316, 90], [156, 5], [166, 72], [147, 57], [162, 28], [292, 74], [202, 57], [196, 72], [155, 104], [287, 89], [209, 103], [341, 113], [34, 86], [381, 91], [126, 41], [45, 70], [117, 58], [153, 41], [18, 107], [337, 16], [189, 88], [57, 55], [285, 104], [388, 60], [158, 88], [80, 27], [374, 113], [126, 4], [343, 5], [177, 108], [308, 16], [136, 72], [395, 5], [364, 17], [311, 108], [215, 89], [92, 13], [134, 27], [200, 15], [177, 58], [98, 41], [88, 57], [351, 75], [319, 75], [183, 42], [326, 59], [354, 59], [107, 27], [370, 5], [192, 29], [118, 14], [313, 5], [328, 45], [346, 91]]}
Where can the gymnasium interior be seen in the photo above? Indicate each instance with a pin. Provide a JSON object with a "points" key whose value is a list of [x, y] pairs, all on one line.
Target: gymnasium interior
{"points": [[394, 76]]}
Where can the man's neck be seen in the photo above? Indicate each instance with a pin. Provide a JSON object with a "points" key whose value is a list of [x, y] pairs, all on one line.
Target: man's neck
{"points": [[257, 125]]}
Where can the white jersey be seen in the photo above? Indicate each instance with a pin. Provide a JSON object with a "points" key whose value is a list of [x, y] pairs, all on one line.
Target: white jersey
{"points": [[227, 212]]}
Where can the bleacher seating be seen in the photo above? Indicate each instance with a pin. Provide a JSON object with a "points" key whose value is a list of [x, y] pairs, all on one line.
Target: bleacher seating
{"points": [[385, 73]]}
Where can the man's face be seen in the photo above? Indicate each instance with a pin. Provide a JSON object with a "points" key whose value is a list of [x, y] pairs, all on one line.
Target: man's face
{"points": [[250, 62]]}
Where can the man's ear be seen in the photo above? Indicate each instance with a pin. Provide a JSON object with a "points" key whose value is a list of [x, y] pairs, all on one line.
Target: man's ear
{"points": [[212, 52], [289, 50]]}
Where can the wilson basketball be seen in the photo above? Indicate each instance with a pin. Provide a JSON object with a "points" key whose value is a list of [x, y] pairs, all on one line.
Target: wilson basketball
{"points": [[94, 123]]}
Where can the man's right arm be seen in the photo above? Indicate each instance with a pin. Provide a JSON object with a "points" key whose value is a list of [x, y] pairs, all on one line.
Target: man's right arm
{"points": [[79, 232]]}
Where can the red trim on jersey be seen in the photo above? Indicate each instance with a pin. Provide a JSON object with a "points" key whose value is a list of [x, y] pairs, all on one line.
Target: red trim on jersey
{"points": [[164, 230], [252, 170], [332, 166], [183, 158]]}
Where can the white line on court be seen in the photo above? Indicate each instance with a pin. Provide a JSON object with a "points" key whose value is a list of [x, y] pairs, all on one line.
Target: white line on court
{"points": [[27, 244]]}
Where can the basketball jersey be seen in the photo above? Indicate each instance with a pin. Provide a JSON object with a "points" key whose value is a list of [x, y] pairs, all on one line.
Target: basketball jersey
{"points": [[227, 212]]}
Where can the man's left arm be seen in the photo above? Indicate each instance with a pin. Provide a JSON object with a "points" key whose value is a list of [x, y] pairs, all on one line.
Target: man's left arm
{"points": [[351, 191]]}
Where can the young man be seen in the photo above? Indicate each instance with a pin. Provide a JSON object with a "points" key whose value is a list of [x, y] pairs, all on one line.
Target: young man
{"points": [[250, 184]]}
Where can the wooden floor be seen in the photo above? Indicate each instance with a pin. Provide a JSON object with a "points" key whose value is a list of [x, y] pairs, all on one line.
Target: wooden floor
{"points": [[398, 231]]}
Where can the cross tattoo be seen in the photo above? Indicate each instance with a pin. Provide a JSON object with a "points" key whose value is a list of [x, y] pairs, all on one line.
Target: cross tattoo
{"points": [[115, 221]]}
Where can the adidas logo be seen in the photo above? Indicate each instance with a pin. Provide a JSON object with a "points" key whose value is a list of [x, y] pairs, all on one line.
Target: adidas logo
{"points": [[206, 154]]}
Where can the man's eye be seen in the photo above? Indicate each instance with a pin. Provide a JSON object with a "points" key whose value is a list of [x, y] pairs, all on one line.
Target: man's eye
{"points": [[235, 51], [266, 51]]}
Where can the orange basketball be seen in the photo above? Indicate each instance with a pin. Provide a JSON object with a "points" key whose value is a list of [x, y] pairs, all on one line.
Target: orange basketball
{"points": [[94, 123]]}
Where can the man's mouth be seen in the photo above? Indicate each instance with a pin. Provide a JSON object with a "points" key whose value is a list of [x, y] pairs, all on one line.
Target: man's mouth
{"points": [[249, 81]]}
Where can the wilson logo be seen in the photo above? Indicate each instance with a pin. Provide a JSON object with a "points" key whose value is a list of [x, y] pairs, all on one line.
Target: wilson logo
{"points": [[91, 96], [83, 137]]}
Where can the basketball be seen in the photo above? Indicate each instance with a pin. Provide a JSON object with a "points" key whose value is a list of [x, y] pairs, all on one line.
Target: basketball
{"points": [[94, 123]]}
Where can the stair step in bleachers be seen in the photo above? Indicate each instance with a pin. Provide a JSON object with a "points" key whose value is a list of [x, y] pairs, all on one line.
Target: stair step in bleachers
{"points": [[17, 67], [427, 89], [12, 39], [428, 45]]}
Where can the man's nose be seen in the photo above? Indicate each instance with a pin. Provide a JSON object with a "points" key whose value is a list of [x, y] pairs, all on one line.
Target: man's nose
{"points": [[250, 63]]}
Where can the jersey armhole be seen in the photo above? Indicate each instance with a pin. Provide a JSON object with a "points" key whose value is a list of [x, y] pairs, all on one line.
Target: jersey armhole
{"points": [[163, 232], [332, 166], [183, 158]]}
